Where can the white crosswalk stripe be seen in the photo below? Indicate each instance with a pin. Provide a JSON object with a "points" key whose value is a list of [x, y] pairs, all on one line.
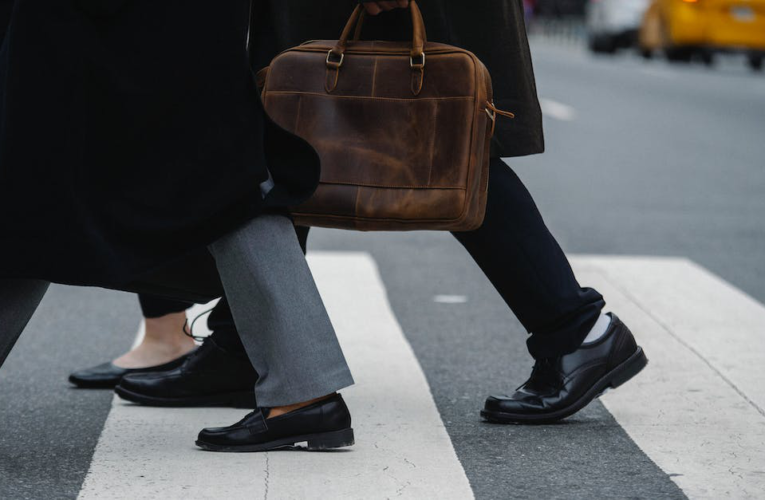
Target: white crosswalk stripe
{"points": [[697, 410], [557, 110]]}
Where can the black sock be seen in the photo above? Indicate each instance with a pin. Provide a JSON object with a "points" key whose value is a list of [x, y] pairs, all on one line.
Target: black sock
{"points": [[221, 322]]}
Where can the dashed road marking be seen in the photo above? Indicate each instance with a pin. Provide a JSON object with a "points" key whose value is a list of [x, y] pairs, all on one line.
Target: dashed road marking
{"points": [[557, 110], [450, 299]]}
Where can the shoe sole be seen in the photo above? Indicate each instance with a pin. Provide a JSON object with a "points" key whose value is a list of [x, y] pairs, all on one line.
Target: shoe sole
{"points": [[94, 384], [314, 442], [233, 400], [611, 380]]}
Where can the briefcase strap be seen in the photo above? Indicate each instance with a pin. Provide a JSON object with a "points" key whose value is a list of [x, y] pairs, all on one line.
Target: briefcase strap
{"points": [[336, 56]]}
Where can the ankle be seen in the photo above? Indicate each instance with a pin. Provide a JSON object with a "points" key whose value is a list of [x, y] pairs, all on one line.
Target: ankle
{"points": [[166, 346], [281, 410], [167, 329], [155, 350]]}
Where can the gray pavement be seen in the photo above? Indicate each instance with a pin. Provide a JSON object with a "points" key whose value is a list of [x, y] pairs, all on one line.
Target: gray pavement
{"points": [[655, 160], [49, 428], [661, 159]]}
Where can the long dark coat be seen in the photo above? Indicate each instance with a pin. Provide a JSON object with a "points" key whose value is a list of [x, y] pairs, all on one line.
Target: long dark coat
{"points": [[131, 135]]}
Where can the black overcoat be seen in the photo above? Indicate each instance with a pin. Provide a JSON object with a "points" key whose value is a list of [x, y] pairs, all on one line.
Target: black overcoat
{"points": [[131, 135]]}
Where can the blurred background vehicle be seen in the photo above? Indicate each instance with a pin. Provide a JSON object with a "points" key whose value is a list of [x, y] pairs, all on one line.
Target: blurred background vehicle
{"points": [[684, 29], [613, 24]]}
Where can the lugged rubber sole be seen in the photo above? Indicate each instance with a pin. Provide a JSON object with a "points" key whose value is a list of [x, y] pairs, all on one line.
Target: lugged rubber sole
{"points": [[233, 400], [611, 380], [314, 442]]}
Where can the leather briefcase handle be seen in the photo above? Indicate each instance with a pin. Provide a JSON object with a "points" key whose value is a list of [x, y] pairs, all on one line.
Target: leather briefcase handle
{"points": [[360, 26], [355, 24], [336, 55]]}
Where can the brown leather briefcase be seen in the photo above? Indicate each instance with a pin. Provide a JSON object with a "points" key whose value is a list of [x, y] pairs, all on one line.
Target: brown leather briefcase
{"points": [[402, 129]]}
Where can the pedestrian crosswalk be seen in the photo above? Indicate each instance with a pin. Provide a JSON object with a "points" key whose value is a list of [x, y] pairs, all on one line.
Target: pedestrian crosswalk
{"points": [[402, 450], [697, 411]]}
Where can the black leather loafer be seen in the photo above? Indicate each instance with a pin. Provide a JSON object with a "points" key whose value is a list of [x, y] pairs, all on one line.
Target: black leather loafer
{"points": [[108, 375], [211, 376], [559, 387], [323, 425]]}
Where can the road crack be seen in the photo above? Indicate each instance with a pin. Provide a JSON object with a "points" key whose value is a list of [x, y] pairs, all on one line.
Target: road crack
{"points": [[268, 476]]}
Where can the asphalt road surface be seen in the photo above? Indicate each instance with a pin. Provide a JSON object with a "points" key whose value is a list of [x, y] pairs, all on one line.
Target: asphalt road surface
{"points": [[643, 159]]}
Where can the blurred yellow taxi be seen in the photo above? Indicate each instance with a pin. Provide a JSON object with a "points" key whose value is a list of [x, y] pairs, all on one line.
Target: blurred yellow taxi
{"points": [[684, 28]]}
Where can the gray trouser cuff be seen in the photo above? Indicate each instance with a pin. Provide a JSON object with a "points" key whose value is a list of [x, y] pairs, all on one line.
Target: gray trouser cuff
{"points": [[279, 313], [328, 383]]}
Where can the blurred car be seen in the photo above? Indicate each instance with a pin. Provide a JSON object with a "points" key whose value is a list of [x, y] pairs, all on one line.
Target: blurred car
{"points": [[684, 28], [613, 24]]}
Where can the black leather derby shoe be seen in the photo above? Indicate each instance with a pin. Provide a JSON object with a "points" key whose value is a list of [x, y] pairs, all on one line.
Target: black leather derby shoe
{"points": [[559, 387], [108, 375], [211, 376], [323, 425]]}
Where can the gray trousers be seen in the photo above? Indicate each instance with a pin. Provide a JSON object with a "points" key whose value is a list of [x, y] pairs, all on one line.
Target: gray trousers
{"points": [[279, 314], [276, 307]]}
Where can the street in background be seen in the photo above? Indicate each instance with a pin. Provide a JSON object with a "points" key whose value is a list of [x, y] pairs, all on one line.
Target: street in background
{"points": [[681, 30], [613, 24], [684, 29]]}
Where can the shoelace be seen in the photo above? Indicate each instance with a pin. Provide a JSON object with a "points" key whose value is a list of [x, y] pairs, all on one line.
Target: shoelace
{"points": [[545, 369], [189, 330]]}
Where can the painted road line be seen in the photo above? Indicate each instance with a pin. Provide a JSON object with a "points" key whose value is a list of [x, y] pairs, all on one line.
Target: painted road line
{"points": [[402, 450], [450, 299], [557, 110], [697, 411]]}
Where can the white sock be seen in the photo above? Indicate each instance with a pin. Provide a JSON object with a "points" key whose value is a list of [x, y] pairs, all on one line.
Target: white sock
{"points": [[599, 329]]}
